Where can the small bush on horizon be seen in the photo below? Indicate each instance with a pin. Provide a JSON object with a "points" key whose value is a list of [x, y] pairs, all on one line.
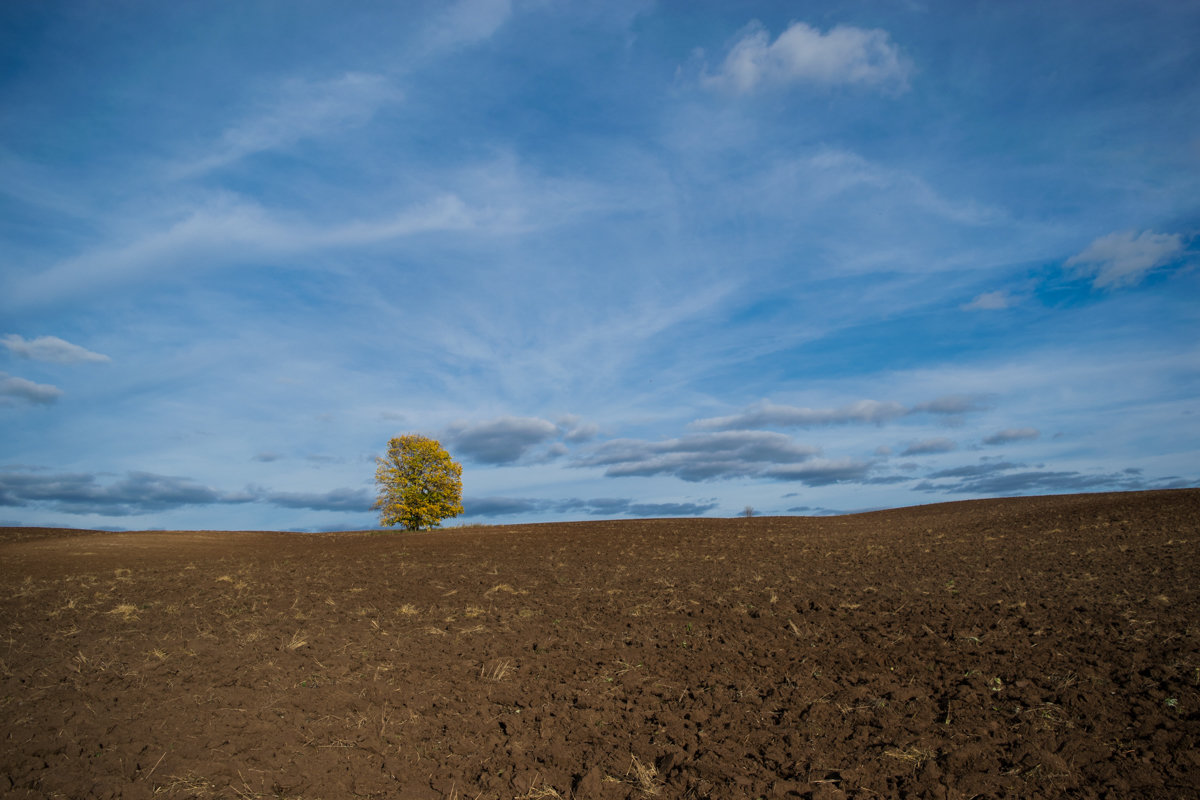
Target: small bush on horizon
{"points": [[748, 512]]}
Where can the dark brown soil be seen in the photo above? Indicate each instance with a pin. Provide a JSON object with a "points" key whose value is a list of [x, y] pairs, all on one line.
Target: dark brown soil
{"points": [[1029, 648]]}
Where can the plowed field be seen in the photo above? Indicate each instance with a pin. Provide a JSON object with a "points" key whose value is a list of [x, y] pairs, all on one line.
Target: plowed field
{"points": [[1025, 648]]}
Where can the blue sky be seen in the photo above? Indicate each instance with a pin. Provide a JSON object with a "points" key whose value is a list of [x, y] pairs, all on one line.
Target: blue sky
{"points": [[621, 259]]}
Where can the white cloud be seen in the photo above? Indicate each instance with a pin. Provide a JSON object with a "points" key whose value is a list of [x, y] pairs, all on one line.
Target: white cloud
{"points": [[990, 301], [51, 349], [13, 389], [802, 54], [1123, 258]]}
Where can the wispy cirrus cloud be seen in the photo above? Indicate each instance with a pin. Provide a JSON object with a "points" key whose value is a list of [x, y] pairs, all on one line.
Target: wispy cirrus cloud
{"points": [[229, 230], [990, 301], [297, 110], [468, 21], [1125, 258], [51, 349], [844, 55]]}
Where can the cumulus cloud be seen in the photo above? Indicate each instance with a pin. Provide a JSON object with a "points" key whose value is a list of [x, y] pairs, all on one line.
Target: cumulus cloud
{"points": [[509, 440], [928, 446], [670, 509], [598, 507], [505, 440], [146, 492], [334, 500], [1003, 479], [1012, 435], [576, 430], [990, 301], [814, 511], [699, 457], [500, 506], [15, 390], [766, 414], [951, 404], [51, 349], [821, 472], [82, 493], [802, 54], [1124, 258]]}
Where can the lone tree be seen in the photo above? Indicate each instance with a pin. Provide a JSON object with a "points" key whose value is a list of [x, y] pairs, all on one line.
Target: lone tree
{"points": [[419, 485]]}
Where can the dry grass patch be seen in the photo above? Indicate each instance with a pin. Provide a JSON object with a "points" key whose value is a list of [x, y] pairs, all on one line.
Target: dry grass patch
{"points": [[128, 611], [641, 775], [497, 670], [913, 755], [543, 792], [503, 587]]}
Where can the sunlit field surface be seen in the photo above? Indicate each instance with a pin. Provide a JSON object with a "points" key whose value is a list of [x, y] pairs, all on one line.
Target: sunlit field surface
{"points": [[1039, 647]]}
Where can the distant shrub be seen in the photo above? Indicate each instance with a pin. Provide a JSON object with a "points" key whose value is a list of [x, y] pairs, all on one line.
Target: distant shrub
{"points": [[748, 512]]}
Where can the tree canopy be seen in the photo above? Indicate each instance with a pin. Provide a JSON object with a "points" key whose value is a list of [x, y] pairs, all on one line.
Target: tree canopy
{"points": [[419, 484]]}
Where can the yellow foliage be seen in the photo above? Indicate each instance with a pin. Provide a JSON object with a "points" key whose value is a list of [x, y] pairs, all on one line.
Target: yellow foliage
{"points": [[419, 484]]}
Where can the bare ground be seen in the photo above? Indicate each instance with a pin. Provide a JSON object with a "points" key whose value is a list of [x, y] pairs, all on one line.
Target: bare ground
{"points": [[1033, 648]]}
